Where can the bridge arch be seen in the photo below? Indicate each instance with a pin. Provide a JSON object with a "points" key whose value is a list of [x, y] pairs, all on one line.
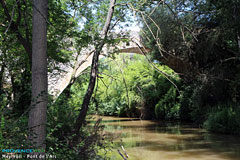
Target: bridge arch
{"points": [[55, 89]]}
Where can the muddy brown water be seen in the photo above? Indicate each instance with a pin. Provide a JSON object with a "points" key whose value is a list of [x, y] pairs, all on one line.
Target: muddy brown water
{"points": [[151, 140]]}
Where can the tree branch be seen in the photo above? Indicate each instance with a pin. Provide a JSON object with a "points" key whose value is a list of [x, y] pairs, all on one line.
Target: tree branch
{"points": [[14, 28], [93, 75]]}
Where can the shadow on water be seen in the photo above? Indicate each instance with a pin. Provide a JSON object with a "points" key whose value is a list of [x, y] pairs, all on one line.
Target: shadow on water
{"points": [[110, 121], [171, 141]]}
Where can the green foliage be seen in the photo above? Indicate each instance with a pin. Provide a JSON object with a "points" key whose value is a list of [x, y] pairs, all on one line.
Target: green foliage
{"points": [[204, 35], [186, 103], [129, 86], [224, 119], [65, 37], [2, 123], [16, 58], [168, 106], [60, 127], [13, 132]]}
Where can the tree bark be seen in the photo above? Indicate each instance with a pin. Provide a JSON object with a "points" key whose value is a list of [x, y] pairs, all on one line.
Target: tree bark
{"points": [[38, 110], [93, 75]]}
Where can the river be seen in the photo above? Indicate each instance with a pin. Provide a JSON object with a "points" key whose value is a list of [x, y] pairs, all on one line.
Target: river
{"points": [[150, 140]]}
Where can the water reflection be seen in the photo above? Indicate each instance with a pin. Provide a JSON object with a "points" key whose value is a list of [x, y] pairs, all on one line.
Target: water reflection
{"points": [[149, 140]]}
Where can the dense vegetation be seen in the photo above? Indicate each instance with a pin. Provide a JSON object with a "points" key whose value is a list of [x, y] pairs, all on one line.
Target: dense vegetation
{"points": [[15, 74], [191, 73], [130, 86], [203, 46]]}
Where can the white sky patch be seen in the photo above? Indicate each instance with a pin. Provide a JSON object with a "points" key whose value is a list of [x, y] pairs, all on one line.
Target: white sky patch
{"points": [[82, 22], [127, 27], [134, 28]]}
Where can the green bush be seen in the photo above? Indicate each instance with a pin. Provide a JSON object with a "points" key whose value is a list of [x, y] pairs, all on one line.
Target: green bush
{"points": [[168, 106], [185, 100], [224, 120], [197, 98]]}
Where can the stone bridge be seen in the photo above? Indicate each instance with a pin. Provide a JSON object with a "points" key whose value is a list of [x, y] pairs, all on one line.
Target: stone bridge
{"points": [[73, 70], [57, 83]]}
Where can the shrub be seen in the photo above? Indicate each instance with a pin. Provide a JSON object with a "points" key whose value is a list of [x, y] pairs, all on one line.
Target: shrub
{"points": [[168, 107], [224, 120], [185, 100]]}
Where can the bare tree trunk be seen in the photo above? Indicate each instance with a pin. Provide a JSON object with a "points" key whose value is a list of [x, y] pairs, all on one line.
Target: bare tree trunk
{"points": [[37, 113], [93, 75]]}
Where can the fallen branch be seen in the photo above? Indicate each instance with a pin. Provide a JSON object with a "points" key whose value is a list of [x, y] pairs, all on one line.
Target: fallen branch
{"points": [[121, 154], [124, 151]]}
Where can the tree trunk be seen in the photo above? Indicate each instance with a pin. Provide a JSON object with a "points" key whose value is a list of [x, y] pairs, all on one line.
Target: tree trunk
{"points": [[93, 75], [38, 110]]}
